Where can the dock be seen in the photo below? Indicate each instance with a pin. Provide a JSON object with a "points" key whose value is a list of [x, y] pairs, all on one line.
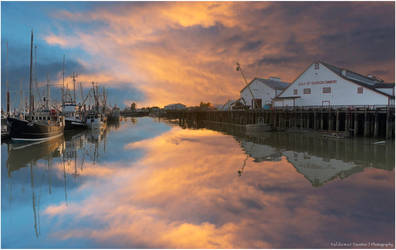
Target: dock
{"points": [[351, 121]]}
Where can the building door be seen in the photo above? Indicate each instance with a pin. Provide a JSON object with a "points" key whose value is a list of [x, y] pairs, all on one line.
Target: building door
{"points": [[257, 103]]}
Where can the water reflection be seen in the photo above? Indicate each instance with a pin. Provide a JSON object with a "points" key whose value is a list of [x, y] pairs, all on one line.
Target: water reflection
{"points": [[150, 184], [318, 159]]}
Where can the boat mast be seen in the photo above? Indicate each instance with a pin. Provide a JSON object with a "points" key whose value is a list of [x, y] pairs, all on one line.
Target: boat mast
{"points": [[31, 98], [8, 91], [48, 94], [74, 75], [21, 106], [63, 81], [38, 94]]}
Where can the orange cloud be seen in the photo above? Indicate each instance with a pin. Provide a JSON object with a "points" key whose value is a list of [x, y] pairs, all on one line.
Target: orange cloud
{"points": [[186, 52]]}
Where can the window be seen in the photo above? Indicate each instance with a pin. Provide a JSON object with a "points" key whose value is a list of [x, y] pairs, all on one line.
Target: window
{"points": [[326, 90], [316, 65], [360, 90], [307, 91], [295, 92]]}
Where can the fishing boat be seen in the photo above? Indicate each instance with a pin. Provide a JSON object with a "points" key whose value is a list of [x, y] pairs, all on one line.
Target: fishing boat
{"points": [[114, 115], [73, 117], [37, 125], [95, 120]]}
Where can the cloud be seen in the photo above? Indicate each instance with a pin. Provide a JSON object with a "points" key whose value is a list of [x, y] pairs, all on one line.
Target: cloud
{"points": [[186, 52]]}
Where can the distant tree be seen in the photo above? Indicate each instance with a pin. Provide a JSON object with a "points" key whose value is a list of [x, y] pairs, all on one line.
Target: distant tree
{"points": [[133, 106], [205, 106]]}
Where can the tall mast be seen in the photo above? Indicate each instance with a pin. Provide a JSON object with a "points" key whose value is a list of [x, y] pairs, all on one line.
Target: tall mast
{"points": [[20, 96], [38, 94], [63, 81], [48, 94], [8, 91], [74, 75], [31, 98]]}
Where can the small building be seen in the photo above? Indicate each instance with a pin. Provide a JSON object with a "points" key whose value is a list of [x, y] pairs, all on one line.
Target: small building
{"points": [[176, 106], [232, 105], [322, 84], [263, 91]]}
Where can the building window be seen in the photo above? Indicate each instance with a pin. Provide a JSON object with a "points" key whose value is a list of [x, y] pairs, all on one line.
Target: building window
{"points": [[307, 91], [360, 90], [316, 65], [326, 90], [295, 92]]}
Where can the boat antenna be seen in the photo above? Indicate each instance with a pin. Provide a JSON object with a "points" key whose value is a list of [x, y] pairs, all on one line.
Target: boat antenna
{"points": [[31, 98]]}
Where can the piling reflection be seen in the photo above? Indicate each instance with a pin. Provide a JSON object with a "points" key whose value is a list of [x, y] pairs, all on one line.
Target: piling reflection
{"points": [[169, 187], [319, 159]]}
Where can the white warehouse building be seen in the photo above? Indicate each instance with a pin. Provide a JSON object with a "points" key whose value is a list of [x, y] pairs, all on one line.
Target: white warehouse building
{"points": [[263, 90], [322, 84]]}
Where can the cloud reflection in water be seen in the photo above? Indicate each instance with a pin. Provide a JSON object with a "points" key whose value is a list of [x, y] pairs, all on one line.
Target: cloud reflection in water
{"points": [[185, 193]]}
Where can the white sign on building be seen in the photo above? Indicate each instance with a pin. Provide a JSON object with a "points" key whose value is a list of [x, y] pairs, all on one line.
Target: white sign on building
{"points": [[322, 84]]}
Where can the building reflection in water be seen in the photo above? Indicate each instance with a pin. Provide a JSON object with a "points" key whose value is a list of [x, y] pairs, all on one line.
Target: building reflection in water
{"points": [[319, 159]]}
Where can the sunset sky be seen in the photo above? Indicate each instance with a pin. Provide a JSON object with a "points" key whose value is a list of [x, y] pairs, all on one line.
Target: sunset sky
{"points": [[157, 53]]}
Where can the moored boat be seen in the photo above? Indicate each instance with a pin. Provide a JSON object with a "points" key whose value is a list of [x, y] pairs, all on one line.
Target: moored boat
{"points": [[41, 125], [95, 120], [73, 117], [37, 125]]}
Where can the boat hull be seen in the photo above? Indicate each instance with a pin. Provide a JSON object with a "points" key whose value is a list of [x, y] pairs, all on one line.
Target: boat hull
{"points": [[74, 124], [23, 130]]}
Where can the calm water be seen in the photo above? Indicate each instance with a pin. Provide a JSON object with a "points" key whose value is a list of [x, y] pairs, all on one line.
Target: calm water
{"points": [[151, 184]]}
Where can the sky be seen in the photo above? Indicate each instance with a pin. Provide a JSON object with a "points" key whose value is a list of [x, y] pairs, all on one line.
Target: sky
{"points": [[157, 53]]}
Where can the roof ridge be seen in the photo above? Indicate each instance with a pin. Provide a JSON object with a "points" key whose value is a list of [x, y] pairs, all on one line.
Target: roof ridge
{"points": [[339, 68]]}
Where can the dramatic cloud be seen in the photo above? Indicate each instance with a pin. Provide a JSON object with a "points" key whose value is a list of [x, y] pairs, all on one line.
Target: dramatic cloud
{"points": [[186, 52]]}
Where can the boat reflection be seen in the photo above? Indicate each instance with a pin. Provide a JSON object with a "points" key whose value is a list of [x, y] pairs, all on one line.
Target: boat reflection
{"points": [[22, 154], [319, 159], [50, 163]]}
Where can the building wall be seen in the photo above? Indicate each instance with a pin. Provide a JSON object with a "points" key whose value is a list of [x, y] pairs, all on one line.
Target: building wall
{"points": [[260, 90], [343, 92], [284, 103]]}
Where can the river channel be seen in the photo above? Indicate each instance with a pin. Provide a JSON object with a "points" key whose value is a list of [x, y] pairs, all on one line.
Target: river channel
{"points": [[150, 183]]}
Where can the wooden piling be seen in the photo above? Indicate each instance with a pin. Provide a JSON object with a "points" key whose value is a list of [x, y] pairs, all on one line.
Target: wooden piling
{"points": [[366, 124], [376, 124]]}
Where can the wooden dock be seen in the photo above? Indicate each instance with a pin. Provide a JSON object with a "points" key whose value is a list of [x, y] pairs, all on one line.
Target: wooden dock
{"points": [[365, 121]]}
